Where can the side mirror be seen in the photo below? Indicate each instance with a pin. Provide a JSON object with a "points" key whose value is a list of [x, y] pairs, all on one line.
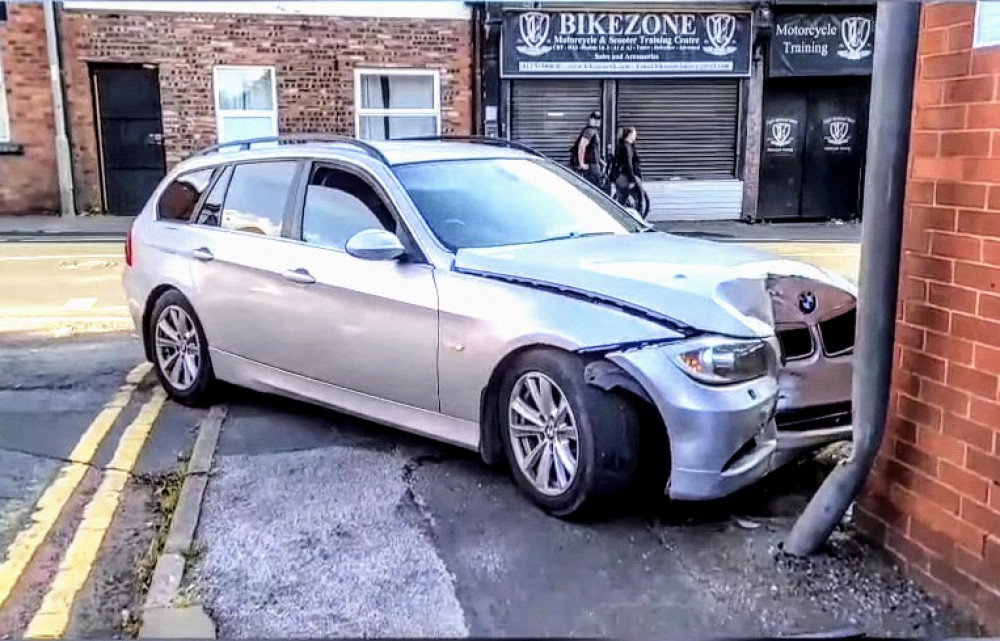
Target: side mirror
{"points": [[375, 244], [635, 213]]}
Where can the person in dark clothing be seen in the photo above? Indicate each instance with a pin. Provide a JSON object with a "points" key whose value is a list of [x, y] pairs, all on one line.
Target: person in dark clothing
{"points": [[627, 172], [585, 155]]}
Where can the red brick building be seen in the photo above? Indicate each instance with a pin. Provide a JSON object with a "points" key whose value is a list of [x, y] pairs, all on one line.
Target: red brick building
{"points": [[934, 498], [144, 89]]}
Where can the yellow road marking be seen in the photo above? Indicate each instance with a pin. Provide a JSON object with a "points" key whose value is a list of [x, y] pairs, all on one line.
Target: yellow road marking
{"points": [[55, 497], [53, 615]]}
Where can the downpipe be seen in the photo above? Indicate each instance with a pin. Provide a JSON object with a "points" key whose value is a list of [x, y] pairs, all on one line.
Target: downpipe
{"points": [[896, 33]]}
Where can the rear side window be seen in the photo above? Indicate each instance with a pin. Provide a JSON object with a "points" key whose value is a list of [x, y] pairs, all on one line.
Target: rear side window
{"points": [[182, 195], [211, 208], [257, 196]]}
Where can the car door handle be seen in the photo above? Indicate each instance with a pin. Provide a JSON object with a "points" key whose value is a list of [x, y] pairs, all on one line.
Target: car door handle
{"points": [[203, 253], [299, 276]]}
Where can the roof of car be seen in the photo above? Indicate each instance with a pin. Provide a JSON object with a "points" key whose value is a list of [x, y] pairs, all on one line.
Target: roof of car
{"points": [[397, 152], [402, 152]]}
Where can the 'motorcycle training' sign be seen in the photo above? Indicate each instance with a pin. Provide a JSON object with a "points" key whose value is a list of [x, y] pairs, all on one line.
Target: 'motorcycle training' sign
{"points": [[592, 43]]}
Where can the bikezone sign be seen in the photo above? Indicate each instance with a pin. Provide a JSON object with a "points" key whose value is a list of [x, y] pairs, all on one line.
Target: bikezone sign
{"points": [[575, 43], [822, 44]]}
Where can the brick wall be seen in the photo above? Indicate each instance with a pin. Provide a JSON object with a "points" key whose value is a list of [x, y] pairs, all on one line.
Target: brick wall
{"points": [[314, 60], [934, 498], [28, 183]]}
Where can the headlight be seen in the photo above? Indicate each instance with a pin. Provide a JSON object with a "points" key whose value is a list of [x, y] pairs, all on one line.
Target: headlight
{"points": [[723, 361]]}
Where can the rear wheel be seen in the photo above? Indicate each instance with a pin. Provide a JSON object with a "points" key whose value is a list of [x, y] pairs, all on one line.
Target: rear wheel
{"points": [[572, 447], [180, 351]]}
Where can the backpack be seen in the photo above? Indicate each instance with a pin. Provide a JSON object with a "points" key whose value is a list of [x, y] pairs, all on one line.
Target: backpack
{"points": [[576, 144]]}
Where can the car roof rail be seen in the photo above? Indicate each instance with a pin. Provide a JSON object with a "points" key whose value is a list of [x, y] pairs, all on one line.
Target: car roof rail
{"points": [[483, 140], [296, 139]]}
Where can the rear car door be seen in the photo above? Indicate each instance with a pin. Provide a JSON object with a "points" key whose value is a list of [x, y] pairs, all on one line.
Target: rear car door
{"points": [[369, 326], [238, 253]]}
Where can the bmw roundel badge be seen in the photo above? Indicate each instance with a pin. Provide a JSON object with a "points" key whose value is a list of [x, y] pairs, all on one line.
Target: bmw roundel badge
{"points": [[808, 302]]}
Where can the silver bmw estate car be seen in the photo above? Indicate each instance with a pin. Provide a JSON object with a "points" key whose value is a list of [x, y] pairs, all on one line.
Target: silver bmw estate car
{"points": [[477, 293]]}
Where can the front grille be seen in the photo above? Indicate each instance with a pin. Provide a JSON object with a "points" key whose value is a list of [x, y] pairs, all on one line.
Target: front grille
{"points": [[838, 333], [796, 342], [814, 418]]}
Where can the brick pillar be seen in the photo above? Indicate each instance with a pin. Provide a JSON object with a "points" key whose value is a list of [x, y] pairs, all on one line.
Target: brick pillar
{"points": [[934, 497]]}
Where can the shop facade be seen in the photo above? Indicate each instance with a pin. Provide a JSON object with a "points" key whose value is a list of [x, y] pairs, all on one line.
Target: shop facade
{"points": [[711, 89], [676, 74], [815, 112]]}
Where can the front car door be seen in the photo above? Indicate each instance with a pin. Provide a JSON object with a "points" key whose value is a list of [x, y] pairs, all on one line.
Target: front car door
{"points": [[366, 326]]}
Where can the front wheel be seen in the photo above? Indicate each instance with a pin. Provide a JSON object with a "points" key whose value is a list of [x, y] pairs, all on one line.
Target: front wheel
{"points": [[572, 447], [180, 352]]}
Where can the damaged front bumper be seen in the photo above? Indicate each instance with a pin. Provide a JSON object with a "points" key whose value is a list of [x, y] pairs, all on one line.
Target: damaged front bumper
{"points": [[722, 437]]}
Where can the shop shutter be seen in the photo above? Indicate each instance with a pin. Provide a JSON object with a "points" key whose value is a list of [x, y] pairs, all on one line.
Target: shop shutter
{"points": [[687, 128], [549, 114]]}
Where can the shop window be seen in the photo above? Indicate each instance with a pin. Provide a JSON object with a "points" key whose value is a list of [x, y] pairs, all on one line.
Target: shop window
{"points": [[246, 105], [4, 116], [987, 24], [397, 103]]}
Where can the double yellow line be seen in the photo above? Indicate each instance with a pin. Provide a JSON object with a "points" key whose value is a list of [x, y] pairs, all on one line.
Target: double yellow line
{"points": [[52, 617]]}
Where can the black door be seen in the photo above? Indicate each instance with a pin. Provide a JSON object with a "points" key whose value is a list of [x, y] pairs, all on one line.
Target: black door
{"points": [[785, 113], [814, 139], [129, 132], [835, 149]]}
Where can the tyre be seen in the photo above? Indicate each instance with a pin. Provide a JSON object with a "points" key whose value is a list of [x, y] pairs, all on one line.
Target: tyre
{"points": [[572, 448], [180, 351]]}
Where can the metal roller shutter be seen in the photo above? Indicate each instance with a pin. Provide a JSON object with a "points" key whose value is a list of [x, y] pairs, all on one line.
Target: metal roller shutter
{"points": [[549, 114], [687, 128]]}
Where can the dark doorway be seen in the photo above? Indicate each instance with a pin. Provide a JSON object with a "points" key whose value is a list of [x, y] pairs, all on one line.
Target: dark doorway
{"points": [[814, 140], [129, 134]]}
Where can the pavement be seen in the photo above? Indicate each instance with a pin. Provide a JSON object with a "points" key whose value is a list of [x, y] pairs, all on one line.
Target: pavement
{"points": [[318, 525]]}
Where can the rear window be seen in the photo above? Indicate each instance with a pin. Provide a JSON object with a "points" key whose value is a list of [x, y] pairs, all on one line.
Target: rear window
{"points": [[182, 195]]}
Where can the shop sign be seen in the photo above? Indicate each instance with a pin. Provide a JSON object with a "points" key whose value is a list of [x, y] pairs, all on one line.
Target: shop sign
{"points": [[822, 44], [639, 44]]}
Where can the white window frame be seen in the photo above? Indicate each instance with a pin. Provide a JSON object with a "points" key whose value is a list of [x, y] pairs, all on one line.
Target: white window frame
{"points": [[359, 112], [221, 114], [5, 133], [979, 39]]}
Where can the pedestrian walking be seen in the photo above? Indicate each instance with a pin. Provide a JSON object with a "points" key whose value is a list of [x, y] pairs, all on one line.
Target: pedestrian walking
{"points": [[585, 154], [627, 170]]}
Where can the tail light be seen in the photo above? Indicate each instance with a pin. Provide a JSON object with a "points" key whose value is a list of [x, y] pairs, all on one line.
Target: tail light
{"points": [[128, 247]]}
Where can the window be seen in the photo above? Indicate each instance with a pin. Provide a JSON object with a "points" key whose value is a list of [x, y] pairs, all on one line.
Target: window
{"points": [[397, 103], [211, 209], [338, 205], [509, 201], [245, 103], [4, 118], [258, 193], [987, 24], [180, 197]]}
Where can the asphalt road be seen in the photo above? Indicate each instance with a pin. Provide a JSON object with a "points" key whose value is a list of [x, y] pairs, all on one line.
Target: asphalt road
{"points": [[60, 288], [51, 393]]}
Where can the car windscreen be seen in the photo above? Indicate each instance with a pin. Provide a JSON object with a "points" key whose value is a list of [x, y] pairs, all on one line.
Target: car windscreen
{"points": [[493, 202]]}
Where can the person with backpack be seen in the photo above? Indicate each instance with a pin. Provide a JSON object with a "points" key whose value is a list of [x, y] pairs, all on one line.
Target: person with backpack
{"points": [[585, 154]]}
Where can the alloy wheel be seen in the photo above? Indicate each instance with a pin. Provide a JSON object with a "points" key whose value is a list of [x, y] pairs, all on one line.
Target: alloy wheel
{"points": [[178, 349], [543, 433]]}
